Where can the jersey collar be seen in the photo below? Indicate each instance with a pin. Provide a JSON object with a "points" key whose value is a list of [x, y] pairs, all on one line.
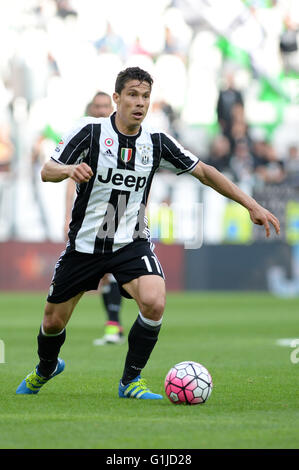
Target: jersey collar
{"points": [[112, 118]]}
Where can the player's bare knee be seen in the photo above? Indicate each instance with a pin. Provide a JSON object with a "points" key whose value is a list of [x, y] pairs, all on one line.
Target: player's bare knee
{"points": [[52, 321], [53, 325], [153, 308]]}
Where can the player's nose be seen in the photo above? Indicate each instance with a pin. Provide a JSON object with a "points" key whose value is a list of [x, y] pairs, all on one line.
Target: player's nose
{"points": [[140, 101]]}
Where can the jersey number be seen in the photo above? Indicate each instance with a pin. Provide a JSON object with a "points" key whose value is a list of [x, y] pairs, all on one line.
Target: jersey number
{"points": [[148, 264]]}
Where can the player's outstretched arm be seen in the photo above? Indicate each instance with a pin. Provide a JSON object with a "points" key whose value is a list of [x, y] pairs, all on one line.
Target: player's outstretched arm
{"points": [[56, 172], [209, 176]]}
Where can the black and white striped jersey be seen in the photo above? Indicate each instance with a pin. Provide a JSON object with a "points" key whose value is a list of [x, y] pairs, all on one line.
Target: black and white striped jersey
{"points": [[109, 210]]}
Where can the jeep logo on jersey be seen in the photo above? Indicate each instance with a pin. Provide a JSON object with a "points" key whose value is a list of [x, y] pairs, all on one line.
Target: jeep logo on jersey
{"points": [[122, 179]]}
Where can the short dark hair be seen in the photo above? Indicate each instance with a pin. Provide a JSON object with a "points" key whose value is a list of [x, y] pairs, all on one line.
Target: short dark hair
{"points": [[132, 73]]}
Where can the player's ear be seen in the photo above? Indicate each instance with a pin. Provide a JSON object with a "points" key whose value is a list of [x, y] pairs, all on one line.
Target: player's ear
{"points": [[116, 98]]}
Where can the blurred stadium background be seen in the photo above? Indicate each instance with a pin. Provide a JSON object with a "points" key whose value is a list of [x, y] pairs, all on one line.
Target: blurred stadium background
{"points": [[226, 86]]}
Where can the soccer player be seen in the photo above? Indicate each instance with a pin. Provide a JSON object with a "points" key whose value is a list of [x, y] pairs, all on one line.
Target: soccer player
{"points": [[108, 231], [101, 106]]}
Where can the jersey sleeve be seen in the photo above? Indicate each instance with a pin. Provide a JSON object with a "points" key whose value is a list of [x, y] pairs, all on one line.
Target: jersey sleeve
{"points": [[74, 146], [174, 157]]}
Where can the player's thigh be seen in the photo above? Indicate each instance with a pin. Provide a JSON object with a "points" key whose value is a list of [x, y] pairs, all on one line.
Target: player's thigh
{"points": [[150, 294], [57, 315]]}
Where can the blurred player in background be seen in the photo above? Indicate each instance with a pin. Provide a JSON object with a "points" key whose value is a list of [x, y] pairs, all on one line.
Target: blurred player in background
{"points": [[109, 232], [100, 106]]}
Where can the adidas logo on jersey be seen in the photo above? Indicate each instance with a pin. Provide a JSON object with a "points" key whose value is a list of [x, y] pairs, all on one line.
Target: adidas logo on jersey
{"points": [[109, 153], [122, 179]]}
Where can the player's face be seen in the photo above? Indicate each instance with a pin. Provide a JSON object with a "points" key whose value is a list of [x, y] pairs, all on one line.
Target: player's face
{"points": [[132, 106], [101, 106]]}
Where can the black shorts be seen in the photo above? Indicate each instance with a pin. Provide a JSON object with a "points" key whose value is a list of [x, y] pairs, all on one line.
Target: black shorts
{"points": [[77, 272]]}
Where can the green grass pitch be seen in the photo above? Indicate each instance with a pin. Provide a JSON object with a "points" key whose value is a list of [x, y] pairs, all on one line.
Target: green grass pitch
{"points": [[254, 403]]}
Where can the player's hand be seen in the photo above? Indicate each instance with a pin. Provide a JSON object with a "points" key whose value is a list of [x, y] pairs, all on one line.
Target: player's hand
{"points": [[81, 173], [261, 216]]}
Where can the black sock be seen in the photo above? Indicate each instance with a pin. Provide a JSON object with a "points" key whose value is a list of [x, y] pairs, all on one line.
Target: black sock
{"points": [[112, 302], [142, 339], [48, 350]]}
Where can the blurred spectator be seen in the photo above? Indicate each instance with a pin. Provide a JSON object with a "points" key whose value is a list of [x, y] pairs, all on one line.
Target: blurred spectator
{"points": [[111, 43], [65, 9], [268, 168], [291, 165], [239, 133], [289, 46], [100, 105], [238, 113], [228, 97], [137, 48], [258, 147], [242, 163], [53, 66], [292, 160], [172, 44], [219, 155]]}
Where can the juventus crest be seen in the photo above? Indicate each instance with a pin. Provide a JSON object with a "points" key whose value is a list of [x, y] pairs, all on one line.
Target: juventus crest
{"points": [[145, 151]]}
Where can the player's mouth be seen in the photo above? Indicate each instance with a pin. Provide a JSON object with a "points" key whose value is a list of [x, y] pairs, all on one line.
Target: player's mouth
{"points": [[138, 115]]}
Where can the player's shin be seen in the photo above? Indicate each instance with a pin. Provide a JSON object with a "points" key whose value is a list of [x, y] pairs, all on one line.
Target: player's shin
{"points": [[142, 339], [48, 350]]}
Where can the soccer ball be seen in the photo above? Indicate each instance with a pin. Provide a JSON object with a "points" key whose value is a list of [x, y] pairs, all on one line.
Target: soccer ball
{"points": [[188, 382]]}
